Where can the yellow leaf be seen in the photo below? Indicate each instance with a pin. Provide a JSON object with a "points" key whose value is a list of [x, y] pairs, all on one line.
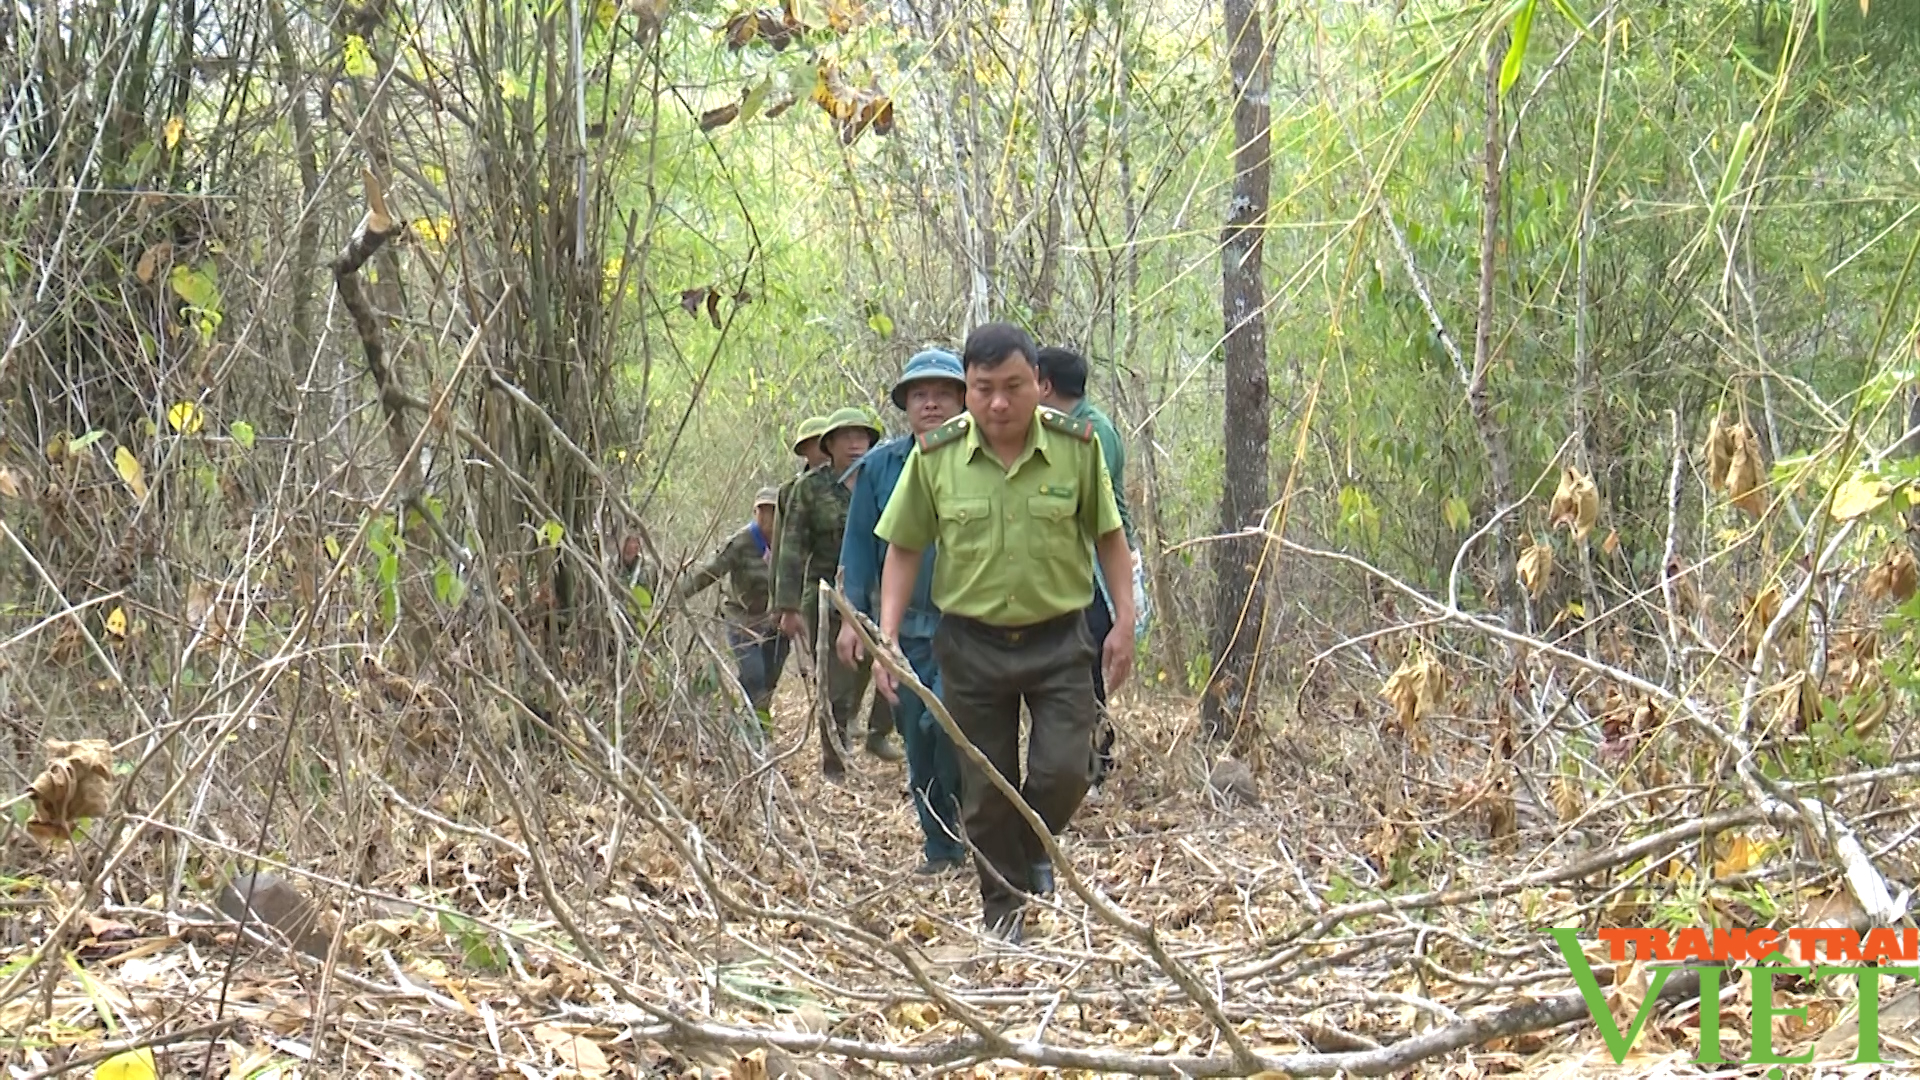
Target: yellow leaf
{"points": [[134, 1065], [1576, 503], [1741, 857], [117, 622], [185, 418], [1857, 498], [129, 468], [1535, 569], [176, 127]]}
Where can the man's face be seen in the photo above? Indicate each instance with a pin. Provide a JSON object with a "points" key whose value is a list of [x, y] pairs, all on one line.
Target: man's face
{"points": [[846, 445], [811, 453], [763, 517], [930, 403], [1002, 397]]}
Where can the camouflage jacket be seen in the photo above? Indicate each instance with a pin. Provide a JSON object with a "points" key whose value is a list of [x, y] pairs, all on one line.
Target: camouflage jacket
{"points": [[745, 560], [810, 535]]}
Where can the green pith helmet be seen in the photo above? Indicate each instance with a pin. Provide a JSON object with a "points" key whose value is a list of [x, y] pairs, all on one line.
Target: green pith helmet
{"points": [[853, 416], [810, 429]]}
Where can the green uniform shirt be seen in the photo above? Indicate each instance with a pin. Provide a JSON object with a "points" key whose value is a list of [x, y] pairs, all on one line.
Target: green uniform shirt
{"points": [[810, 535], [1116, 454], [1014, 543], [781, 501], [748, 574]]}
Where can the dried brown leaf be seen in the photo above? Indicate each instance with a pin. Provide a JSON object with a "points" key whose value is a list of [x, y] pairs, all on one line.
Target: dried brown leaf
{"points": [[691, 299], [151, 261], [1414, 689], [1568, 800], [580, 1053], [720, 117], [1896, 575], [1760, 615], [1719, 452], [9, 487], [1576, 503], [1535, 569], [77, 783], [1746, 481]]}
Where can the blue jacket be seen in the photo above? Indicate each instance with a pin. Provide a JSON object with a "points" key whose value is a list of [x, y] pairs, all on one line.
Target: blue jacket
{"points": [[862, 554]]}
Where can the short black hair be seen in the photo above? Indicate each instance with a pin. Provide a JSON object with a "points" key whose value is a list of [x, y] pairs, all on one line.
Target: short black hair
{"points": [[1065, 369], [990, 343]]}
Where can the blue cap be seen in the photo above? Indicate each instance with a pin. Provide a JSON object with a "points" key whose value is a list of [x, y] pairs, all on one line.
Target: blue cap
{"points": [[928, 364]]}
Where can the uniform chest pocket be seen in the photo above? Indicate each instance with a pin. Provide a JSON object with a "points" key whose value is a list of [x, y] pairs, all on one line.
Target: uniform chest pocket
{"points": [[966, 526], [1054, 527]]}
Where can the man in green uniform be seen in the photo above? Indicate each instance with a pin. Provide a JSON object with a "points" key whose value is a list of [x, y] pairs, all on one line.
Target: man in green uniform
{"points": [[1063, 386], [810, 536], [1018, 501], [745, 561]]}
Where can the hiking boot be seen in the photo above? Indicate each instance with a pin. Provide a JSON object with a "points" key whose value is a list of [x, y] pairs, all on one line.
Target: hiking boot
{"points": [[935, 867], [885, 749]]}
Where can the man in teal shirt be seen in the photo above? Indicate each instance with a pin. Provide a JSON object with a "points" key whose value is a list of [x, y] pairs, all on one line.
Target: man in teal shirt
{"points": [[1063, 386]]}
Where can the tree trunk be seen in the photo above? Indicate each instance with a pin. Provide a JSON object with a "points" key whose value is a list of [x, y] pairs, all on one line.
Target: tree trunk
{"points": [[1238, 607], [1486, 425]]}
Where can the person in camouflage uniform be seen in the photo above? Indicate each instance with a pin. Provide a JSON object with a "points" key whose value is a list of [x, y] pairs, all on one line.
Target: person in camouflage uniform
{"points": [[746, 562], [809, 553], [806, 446]]}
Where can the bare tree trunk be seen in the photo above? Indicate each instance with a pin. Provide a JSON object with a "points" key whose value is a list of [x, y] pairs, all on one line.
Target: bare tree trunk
{"points": [[1239, 609], [1485, 424]]}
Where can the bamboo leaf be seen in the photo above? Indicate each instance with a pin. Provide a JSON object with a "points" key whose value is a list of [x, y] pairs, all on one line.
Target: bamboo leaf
{"points": [[1517, 52], [1736, 164]]}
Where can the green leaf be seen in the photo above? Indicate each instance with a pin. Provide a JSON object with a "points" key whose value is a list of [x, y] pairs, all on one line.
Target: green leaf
{"points": [[1517, 51], [880, 324], [643, 596], [242, 433], [1820, 25], [1736, 164], [447, 586], [511, 88], [333, 548], [1457, 514], [356, 59], [85, 441], [755, 98], [198, 286], [552, 533]]}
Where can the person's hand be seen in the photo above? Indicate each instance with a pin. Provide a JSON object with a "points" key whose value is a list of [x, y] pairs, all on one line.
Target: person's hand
{"points": [[1116, 659], [848, 646], [884, 682], [791, 625]]}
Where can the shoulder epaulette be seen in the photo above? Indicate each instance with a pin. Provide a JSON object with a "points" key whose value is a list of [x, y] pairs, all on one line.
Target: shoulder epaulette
{"points": [[1055, 420], [946, 434]]}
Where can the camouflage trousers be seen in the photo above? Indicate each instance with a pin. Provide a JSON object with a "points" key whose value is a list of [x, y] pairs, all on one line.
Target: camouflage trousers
{"points": [[845, 687]]}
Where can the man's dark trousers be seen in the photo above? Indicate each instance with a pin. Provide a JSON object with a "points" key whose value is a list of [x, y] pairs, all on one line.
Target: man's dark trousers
{"points": [[987, 672], [1100, 624], [933, 766]]}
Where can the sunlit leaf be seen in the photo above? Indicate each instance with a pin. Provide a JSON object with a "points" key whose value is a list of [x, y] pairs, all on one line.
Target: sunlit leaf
{"points": [[242, 433], [132, 1065], [511, 86], [1517, 51], [176, 127], [198, 286], [83, 442], [129, 469], [1858, 497], [552, 532], [880, 324], [185, 418], [117, 622], [356, 59]]}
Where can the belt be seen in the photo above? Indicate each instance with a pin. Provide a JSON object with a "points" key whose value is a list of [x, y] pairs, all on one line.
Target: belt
{"points": [[1014, 635]]}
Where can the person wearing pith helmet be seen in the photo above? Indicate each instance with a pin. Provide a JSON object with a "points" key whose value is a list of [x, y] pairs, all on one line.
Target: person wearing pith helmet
{"points": [[746, 562], [806, 445], [932, 390], [810, 536]]}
